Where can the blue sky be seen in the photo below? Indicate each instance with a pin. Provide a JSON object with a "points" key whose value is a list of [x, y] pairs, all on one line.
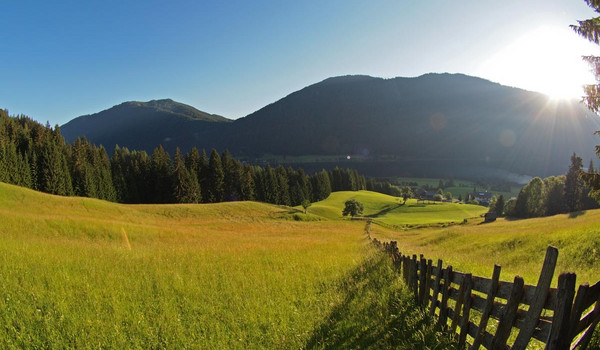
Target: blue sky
{"points": [[64, 59]]}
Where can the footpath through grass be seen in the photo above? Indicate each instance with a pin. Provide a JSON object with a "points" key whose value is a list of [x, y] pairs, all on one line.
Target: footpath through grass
{"points": [[393, 211], [84, 273]]}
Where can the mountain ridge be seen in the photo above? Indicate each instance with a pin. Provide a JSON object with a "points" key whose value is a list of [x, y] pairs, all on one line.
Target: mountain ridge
{"points": [[436, 116]]}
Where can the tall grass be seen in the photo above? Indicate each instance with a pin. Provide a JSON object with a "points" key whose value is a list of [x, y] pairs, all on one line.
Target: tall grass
{"points": [[83, 273]]}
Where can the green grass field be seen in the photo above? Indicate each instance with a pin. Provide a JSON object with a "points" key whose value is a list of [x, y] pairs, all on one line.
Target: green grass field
{"points": [[84, 273], [393, 211], [517, 245]]}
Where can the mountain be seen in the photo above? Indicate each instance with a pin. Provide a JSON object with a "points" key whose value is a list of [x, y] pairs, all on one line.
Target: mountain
{"points": [[145, 125], [432, 125]]}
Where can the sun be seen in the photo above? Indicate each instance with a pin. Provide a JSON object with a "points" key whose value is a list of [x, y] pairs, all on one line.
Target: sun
{"points": [[546, 60]]}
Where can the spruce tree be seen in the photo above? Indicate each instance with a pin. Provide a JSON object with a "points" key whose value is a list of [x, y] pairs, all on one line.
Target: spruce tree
{"points": [[573, 184], [161, 176], [590, 29], [215, 178], [185, 184]]}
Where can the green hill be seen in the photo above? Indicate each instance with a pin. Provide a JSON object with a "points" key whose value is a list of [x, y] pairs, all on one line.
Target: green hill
{"points": [[517, 245], [392, 210], [85, 273]]}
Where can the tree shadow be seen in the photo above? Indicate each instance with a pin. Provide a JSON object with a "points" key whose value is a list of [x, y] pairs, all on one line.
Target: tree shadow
{"points": [[377, 312], [574, 214], [383, 212]]}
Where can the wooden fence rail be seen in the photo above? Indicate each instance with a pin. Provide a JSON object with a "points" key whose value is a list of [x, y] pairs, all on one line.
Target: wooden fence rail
{"points": [[555, 316]]}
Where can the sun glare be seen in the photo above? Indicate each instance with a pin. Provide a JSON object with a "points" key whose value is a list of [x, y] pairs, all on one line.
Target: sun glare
{"points": [[547, 60]]}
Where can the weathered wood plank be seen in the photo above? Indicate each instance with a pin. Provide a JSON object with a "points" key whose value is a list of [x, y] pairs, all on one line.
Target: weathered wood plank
{"points": [[592, 295], [464, 320], [436, 287], [509, 315], [481, 284], [504, 290], [457, 277], [422, 280], [583, 341], [489, 306], [559, 335], [578, 309], [428, 283], [414, 277], [588, 319], [442, 321], [462, 291], [537, 305]]}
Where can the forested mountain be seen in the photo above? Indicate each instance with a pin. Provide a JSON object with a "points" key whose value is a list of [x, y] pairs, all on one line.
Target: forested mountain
{"points": [[145, 125], [432, 125], [37, 157]]}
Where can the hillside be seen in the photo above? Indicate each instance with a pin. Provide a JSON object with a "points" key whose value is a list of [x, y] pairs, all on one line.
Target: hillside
{"points": [[436, 125], [391, 210], [517, 245], [145, 125], [85, 273]]}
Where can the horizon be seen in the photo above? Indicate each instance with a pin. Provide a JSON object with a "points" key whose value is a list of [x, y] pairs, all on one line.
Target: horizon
{"points": [[76, 59]]}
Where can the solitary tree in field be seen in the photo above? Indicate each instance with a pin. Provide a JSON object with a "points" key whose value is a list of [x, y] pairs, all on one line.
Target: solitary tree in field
{"points": [[305, 204], [406, 193], [352, 208], [590, 29]]}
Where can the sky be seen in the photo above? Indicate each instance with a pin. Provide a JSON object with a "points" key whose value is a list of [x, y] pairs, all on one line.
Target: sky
{"points": [[63, 59]]}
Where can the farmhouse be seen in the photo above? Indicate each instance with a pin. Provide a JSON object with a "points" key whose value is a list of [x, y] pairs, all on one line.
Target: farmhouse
{"points": [[483, 198], [426, 195]]}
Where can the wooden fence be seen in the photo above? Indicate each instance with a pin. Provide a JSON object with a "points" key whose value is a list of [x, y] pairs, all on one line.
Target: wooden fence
{"points": [[555, 316]]}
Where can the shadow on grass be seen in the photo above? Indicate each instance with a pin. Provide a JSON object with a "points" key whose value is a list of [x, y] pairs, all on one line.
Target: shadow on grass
{"points": [[384, 211], [574, 214], [377, 312]]}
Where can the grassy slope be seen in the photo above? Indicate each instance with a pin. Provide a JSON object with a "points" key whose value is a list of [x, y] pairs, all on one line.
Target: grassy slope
{"points": [[390, 210], [77, 272], [518, 245]]}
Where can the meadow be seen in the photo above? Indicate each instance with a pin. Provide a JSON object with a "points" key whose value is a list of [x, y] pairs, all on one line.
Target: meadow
{"points": [[84, 273], [393, 211], [517, 245]]}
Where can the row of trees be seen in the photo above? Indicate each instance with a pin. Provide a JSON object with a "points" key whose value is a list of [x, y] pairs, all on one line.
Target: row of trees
{"points": [[37, 157], [550, 196]]}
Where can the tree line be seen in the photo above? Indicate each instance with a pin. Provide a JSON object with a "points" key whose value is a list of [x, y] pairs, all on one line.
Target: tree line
{"points": [[550, 196], [37, 157]]}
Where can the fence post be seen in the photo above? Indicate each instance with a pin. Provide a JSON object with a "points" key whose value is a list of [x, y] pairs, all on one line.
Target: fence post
{"points": [[578, 308], [436, 288], [464, 321], [487, 310], [422, 279], [560, 334], [443, 320], [509, 315], [539, 299], [427, 298], [414, 277]]}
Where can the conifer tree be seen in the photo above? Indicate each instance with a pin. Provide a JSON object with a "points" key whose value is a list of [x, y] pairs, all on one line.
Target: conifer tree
{"points": [[590, 29], [185, 184], [161, 176], [573, 184], [282, 184], [215, 178]]}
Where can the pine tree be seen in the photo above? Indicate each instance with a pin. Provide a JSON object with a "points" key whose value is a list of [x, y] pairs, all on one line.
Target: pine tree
{"points": [[590, 29], [161, 176], [215, 178], [185, 184], [573, 184]]}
